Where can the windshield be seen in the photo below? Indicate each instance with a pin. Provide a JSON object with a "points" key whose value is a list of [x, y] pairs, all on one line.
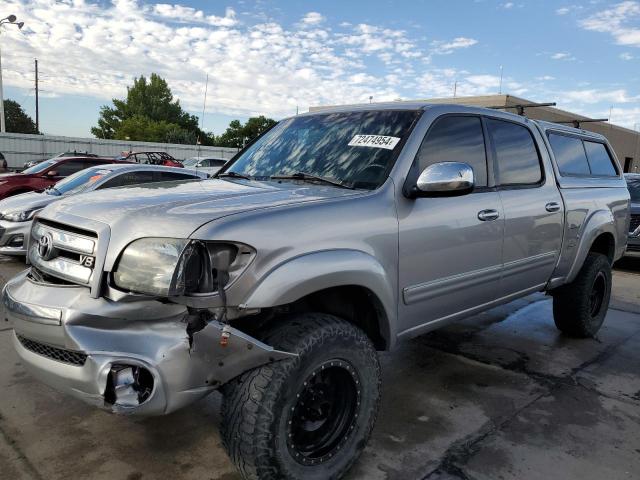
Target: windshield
{"points": [[39, 167], [356, 149], [80, 181], [190, 162], [634, 189]]}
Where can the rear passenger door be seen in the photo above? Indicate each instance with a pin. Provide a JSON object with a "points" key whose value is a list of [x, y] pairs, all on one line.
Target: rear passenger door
{"points": [[533, 208]]}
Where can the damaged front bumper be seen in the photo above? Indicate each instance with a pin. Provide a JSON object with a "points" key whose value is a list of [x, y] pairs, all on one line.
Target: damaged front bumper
{"points": [[131, 357]]}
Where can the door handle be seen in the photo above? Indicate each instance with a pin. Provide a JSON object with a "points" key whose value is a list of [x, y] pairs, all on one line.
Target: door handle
{"points": [[552, 207], [488, 215]]}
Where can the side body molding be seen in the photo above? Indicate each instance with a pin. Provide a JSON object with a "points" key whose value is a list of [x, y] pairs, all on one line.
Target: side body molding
{"points": [[321, 270]]}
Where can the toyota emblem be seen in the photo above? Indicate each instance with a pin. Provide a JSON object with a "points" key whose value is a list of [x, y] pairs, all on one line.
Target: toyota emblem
{"points": [[45, 246]]}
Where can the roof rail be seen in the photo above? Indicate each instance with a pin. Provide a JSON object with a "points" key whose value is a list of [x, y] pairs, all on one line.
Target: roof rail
{"points": [[577, 121], [521, 106]]}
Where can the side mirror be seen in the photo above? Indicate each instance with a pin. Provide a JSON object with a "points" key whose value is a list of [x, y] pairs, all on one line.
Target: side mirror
{"points": [[52, 173], [443, 179]]}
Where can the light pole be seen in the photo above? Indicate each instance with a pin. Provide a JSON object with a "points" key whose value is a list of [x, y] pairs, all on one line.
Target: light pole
{"points": [[10, 20]]}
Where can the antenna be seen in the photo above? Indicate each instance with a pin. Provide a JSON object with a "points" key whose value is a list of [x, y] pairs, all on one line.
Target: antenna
{"points": [[455, 88], [500, 88]]}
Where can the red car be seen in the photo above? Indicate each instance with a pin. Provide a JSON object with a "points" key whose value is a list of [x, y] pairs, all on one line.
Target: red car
{"points": [[151, 158], [46, 174]]}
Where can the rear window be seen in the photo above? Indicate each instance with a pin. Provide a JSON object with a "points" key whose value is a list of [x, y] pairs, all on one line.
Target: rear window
{"points": [[599, 159], [570, 155]]}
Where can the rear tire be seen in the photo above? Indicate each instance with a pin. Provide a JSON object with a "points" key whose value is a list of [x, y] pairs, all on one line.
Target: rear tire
{"points": [[307, 417], [579, 308]]}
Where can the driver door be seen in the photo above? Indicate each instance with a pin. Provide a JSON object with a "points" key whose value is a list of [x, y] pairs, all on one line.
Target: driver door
{"points": [[450, 258]]}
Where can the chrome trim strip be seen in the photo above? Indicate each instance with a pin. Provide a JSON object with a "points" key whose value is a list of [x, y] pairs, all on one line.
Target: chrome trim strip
{"points": [[65, 240], [31, 312], [61, 268]]}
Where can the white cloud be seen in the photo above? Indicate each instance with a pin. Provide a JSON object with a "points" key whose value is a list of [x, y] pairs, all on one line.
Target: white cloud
{"points": [[545, 78], [313, 18], [626, 56], [508, 5], [591, 96], [445, 48], [620, 21], [563, 11], [562, 56]]}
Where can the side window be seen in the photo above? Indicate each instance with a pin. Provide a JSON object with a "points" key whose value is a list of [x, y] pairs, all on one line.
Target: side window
{"points": [[68, 168], [569, 154], [218, 163], [456, 139], [599, 159], [516, 153], [171, 176], [130, 178]]}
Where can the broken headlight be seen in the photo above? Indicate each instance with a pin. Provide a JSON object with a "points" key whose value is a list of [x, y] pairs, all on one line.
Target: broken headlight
{"points": [[171, 267]]}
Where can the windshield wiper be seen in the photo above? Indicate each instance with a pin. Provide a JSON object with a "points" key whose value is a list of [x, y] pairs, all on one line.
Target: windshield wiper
{"points": [[310, 177], [233, 174]]}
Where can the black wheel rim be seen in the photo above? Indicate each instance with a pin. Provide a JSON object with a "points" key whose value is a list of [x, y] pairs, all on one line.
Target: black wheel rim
{"points": [[325, 413], [598, 291]]}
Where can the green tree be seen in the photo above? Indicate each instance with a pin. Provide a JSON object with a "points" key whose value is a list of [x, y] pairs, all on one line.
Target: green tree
{"points": [[16, 120], [149, 113], [238, 135]]}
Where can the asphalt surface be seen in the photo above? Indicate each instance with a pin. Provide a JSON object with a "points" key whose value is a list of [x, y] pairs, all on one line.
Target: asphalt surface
{"points": [[501, 395]]}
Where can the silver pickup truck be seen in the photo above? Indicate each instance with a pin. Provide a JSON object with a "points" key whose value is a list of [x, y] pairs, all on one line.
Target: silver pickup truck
{"points": [[334, 235]]}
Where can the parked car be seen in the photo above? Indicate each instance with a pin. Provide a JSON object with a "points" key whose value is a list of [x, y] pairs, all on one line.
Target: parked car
{"points": [[60, 155], [320, 244], [633, 183], [45, 174], [150, 158], [17, 212], [210, 165]]}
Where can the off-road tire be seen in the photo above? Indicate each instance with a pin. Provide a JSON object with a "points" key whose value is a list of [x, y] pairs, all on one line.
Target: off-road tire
{"points": [[257, 406], [572, 303]]}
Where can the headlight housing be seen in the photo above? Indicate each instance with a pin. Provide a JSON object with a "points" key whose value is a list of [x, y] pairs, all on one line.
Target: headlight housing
{"points": [[173, 267], [20, 216]]}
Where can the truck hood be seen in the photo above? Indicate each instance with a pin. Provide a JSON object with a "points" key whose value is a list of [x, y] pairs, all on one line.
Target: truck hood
{"points": [[177, 209], [26, 202]]}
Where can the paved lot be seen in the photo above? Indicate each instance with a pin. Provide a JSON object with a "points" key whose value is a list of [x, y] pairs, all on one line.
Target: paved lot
{"points": [[499, 396]]}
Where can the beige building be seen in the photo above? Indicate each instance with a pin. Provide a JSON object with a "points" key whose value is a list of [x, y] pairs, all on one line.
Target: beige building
{"points": [[624, 141]]}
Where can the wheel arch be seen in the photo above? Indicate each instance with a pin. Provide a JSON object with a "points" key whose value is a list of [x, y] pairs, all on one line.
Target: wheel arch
{"points": [[347, 283], [599, 235]]}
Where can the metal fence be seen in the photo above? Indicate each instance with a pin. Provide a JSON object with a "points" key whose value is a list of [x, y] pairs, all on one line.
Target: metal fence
{"points": [[19, 148]]}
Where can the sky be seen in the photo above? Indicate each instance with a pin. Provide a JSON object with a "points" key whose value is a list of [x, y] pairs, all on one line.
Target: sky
{"points": [[274, 58]]}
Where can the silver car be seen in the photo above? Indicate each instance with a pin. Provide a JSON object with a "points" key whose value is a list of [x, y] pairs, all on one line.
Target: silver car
{"points": [[17, 212], [334, 235]]}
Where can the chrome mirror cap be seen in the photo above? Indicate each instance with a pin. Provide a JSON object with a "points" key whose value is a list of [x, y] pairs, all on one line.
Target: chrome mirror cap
{"points": [[446, 177]]}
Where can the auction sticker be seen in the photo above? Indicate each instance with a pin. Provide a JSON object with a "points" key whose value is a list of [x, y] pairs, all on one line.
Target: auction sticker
{"points": [[375, 141]]}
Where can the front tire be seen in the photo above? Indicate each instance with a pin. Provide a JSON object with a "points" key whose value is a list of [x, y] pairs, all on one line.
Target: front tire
{"points": [[307, 417], [579, 308]]}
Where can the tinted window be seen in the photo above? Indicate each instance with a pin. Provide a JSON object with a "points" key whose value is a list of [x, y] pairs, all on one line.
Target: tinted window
{"points": [[171, 176], [129, 178], [70, 167], [354, 148], [570, 155], [516, 153], [456, 139], [599, 159], [217, 163]]}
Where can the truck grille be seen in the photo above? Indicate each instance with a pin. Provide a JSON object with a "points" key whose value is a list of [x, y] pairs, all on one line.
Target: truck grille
{"points": [[63, 252], [635, 223], [60, 354]]}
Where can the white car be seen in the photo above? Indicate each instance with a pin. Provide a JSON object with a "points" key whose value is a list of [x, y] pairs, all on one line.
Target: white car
{"points": [[209, 165], [17, 212]]}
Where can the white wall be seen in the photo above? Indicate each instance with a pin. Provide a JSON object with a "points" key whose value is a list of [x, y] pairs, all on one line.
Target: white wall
{"points": [[19, 148]]}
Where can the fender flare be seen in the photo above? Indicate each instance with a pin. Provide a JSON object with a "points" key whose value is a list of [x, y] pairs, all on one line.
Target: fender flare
{"points": [[316, 271], [600, 222]]}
